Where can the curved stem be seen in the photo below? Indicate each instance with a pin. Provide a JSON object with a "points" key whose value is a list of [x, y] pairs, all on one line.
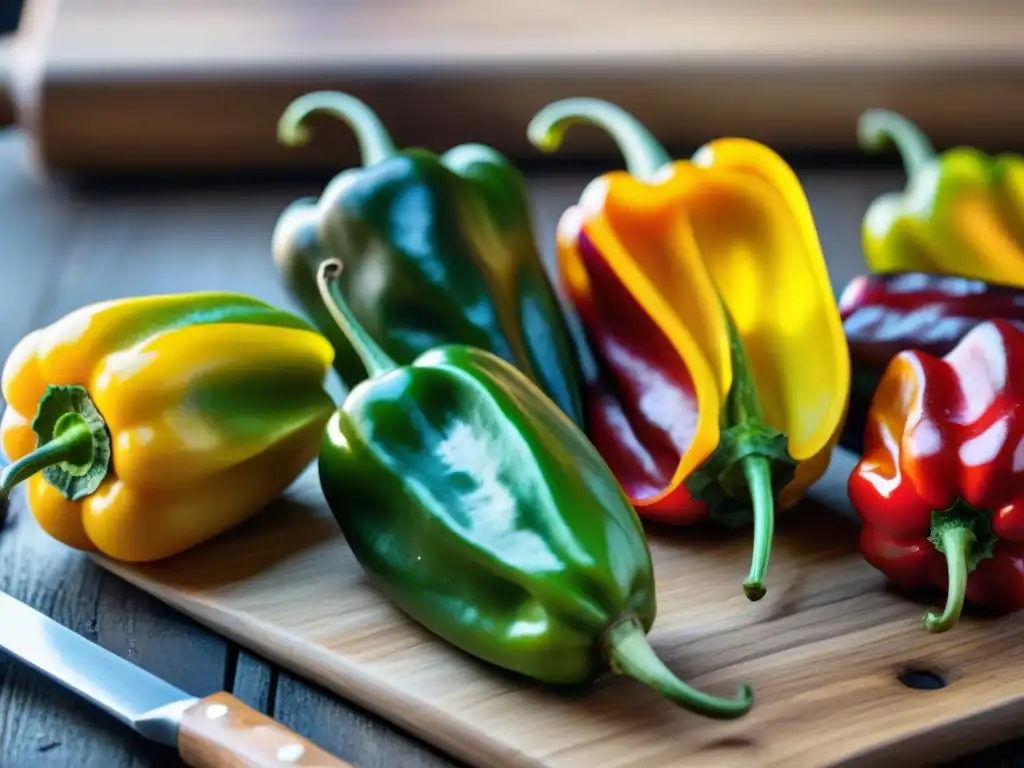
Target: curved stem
{"points": [[630, 654], [878, 125], [957, 543], [72, 443], [375, 359], [759, 477], [374, 141], [643, 154]]}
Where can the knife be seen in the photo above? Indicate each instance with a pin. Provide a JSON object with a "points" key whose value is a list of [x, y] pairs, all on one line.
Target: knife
{"points": [[217, 731]]}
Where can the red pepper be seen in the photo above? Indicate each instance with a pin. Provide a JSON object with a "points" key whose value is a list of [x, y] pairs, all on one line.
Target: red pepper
{"points": [[940, 488], [884, 314]]}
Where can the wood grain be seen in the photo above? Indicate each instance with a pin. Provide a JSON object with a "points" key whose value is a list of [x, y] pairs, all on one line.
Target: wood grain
{"points": [[221, 731], [825, 651], [106, 86], [42, 724]]}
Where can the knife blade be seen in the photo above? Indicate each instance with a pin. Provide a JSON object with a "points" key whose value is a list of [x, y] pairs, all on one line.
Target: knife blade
{"points": [[208, 732]]}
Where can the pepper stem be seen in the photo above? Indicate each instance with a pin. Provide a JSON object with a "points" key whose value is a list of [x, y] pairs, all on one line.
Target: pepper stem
{"points": [[631, 654], [375, 144], [375, 359], [738, 482], [744, 411], [643, 154], [878, 125], [758, 472], [957, 543], [71, 446]]}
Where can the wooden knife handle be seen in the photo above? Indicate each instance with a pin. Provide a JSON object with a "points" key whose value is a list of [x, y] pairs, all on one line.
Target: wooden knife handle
{"points": [[222, 732]]}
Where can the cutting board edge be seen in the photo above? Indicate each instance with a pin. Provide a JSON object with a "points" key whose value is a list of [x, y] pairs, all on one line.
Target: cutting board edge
{"points": [[468, 746], [478, 750]]}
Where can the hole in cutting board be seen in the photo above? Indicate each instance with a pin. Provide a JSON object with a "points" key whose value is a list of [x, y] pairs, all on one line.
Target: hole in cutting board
{"points": [[921, 679]]}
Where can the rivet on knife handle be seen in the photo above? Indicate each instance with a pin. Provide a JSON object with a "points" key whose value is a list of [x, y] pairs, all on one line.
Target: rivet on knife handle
{"points": [[222, 732]]}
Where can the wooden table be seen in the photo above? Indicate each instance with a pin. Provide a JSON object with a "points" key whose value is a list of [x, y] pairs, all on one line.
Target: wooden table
{"points": [[61, 249]]}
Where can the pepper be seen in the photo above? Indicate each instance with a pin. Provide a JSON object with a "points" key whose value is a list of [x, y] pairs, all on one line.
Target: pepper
{"points": [[144, 426], [961, 213], [483, 512], [702, 289], [883, 314], [940, 488], [439, 249]]}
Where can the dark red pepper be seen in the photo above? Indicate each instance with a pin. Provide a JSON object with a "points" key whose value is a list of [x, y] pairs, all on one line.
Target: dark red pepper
{"points": [[886, 314], [940, 487]]}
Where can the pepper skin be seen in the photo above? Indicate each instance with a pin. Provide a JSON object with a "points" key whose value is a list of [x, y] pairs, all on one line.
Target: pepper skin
{"points": [[884, 314], [940, 487], [703, 292], [482, 511], [438, 249], [147, 425], [962, 212]]}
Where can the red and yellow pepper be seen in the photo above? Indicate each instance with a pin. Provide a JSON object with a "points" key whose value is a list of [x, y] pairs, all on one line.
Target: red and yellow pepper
{"points": [[701, 286], [940, 487], [145, 426]]}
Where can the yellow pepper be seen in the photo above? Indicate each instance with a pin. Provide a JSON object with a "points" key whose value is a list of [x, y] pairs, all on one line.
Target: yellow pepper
{"points": [[703, 292], [147, 425], [962, 212]]}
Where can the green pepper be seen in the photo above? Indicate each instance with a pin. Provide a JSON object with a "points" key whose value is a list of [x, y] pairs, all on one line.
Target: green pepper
{"points": [[484, 513], [297, 253], [438, 249]]}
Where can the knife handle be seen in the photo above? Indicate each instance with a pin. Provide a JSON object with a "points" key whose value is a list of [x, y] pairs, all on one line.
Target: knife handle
{"points": [[222, 732]]}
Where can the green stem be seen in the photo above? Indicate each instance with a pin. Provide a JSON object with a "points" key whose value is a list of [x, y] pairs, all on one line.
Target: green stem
{"points": [[71, 446], [745, 408], [957, 543], [643, 154], [876, 126], [758, 472], [374, 142], [631, 654], [375, 359]]}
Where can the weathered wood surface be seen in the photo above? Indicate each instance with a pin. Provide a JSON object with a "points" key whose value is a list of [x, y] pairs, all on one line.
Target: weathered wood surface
{"points": [[61, 249]]}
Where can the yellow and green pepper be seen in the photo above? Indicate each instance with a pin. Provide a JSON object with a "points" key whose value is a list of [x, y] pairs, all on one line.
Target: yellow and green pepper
{"points": [[961, 213], [147, 425]]}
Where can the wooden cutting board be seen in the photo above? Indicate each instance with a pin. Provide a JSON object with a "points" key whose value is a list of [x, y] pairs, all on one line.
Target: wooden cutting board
{"points": [[106, 86], [832, 653]]}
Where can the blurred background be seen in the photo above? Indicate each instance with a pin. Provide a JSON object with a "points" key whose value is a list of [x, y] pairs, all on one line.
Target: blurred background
{"points": [[10, 12], [149, 86]]}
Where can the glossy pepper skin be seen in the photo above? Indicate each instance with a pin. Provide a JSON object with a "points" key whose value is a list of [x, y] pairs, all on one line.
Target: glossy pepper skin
{"points": [[482, 511], [961, 213], [438, 249], [702, 289], [145, 426], [884, 314], [940, 488]]}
